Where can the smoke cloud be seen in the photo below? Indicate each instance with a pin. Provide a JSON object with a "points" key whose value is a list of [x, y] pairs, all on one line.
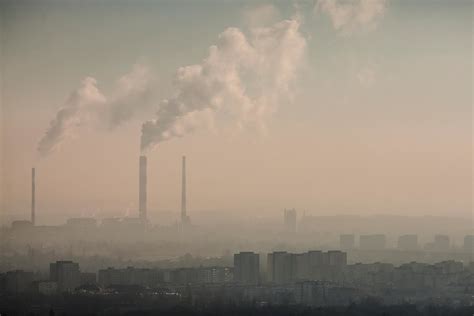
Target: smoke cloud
{"points": [[87, 106], [242, 81], [261, 15], [348, 16]]}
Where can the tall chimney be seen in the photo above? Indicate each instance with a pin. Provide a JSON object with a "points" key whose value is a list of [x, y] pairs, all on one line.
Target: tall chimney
{"points": [[184, 218], [142, 189], [33, 195]]}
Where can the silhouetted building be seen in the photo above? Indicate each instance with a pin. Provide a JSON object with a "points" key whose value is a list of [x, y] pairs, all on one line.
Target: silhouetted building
{"points": [[130, 276], [289, 217], [246, 267], [111, 276], [372, 242], [18, 281], [336, 258], [425, 277], [301, 266], [213, 275], [450, 266], [371, 274], [284, 267], [315, 257], [408, 242], [66, 274], [310, 293], [347, 241], [183, 276], [470, 267], [280, 267], [21, 225]]}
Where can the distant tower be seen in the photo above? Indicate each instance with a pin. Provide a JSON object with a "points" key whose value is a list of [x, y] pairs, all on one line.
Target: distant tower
{"points": [[33, 195], [142, 189], [184, 217], [289, 218]]}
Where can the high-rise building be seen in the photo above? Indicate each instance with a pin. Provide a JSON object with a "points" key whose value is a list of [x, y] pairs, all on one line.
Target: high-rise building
{"points": [[247, 267], [316, 260], [66, 274], [315, 257], [372, 242], [142, 188], [302, 266], [408, 242], [280, 267], [289, 217], [347, 241]]}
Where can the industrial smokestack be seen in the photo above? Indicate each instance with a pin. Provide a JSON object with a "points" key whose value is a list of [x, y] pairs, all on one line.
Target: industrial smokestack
{"points": [[142, 189], [184, 217], [33, 195]]}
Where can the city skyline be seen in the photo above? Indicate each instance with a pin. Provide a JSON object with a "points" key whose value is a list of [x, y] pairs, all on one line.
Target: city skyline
{"points": [[236, 157]]}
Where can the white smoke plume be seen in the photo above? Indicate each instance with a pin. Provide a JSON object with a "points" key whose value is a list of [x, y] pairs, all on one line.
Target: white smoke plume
{"points": [[87, 106], [348, 16], [242, 80]]}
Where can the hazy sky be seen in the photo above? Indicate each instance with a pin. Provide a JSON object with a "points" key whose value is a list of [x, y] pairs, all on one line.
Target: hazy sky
{"points": [[377, 116]]}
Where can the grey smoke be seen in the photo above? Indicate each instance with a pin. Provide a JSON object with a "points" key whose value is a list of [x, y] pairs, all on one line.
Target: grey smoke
{"points": [[242, 80], [87, 106]]}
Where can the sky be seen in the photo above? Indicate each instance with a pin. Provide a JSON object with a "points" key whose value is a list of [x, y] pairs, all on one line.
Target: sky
{"points": [[330, 107]]}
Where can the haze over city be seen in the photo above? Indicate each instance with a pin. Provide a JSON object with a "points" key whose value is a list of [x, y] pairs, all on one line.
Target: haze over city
{"points": [[246, 157]]}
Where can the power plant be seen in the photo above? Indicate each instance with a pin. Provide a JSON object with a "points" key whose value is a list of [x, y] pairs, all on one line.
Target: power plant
{"points": [[142, 189], [142, 192]]}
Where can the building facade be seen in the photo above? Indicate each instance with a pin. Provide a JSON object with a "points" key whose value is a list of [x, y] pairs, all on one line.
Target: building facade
{"points": [[247, 268]]}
